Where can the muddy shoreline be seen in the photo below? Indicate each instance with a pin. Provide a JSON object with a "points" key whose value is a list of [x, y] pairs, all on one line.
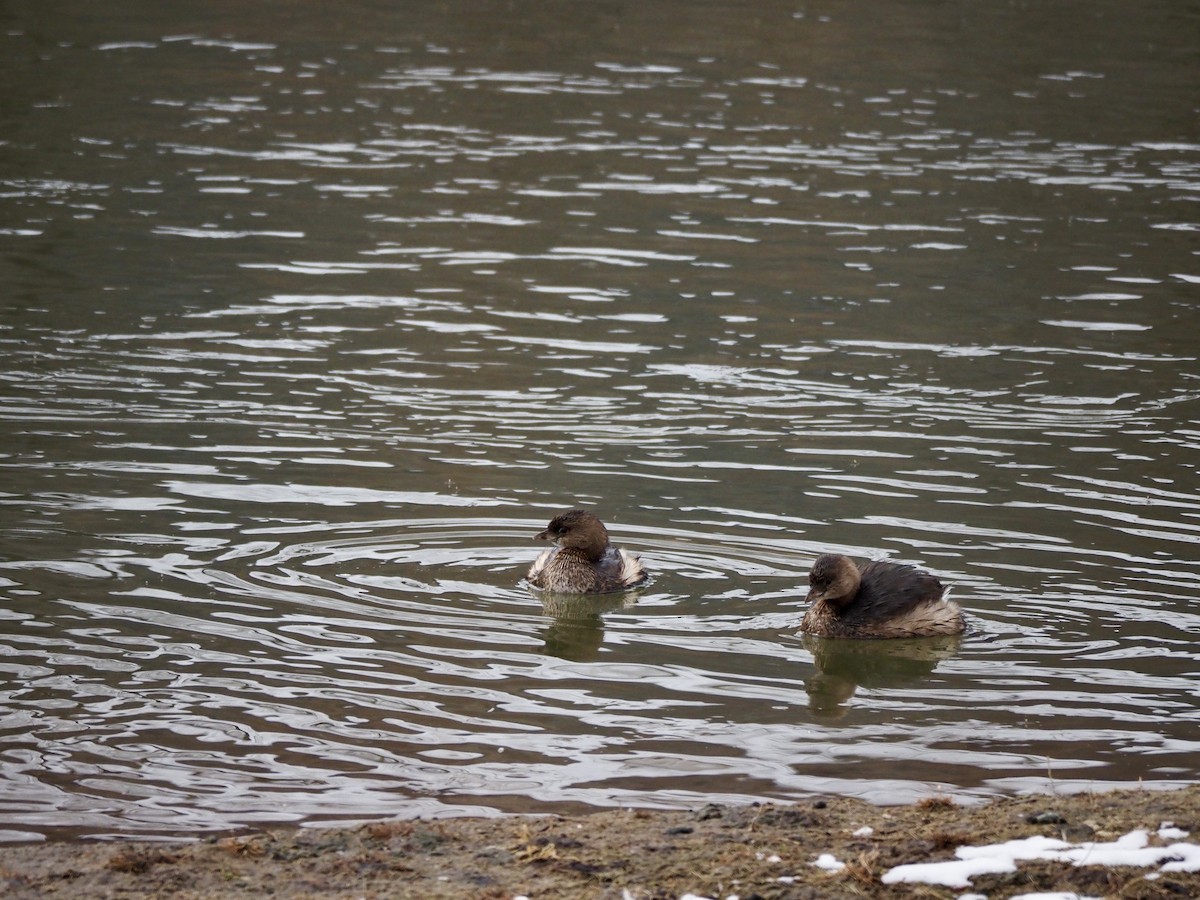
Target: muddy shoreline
{"points": [[763, 851]]}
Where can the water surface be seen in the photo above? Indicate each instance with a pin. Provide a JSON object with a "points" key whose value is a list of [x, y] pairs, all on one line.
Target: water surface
{"points": [[311, 325]]}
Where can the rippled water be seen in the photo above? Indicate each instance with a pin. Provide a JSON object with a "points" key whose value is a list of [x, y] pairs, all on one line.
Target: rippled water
{"points": [[309, 327]]}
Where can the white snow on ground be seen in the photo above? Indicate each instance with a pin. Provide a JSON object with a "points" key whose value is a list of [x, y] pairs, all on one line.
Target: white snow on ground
{"points": [[829, 862], [1132, 849]]}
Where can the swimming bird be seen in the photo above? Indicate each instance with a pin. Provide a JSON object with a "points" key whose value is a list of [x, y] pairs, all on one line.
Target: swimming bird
{"points": [[583, 562], [876, 600]]}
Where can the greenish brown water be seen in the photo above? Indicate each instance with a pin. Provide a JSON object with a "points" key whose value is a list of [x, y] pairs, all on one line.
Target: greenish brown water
{"points": [[312, 321]]}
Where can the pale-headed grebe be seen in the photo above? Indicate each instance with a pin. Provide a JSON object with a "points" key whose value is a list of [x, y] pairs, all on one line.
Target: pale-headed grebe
{"points": [[584, 562], [876, 600]]}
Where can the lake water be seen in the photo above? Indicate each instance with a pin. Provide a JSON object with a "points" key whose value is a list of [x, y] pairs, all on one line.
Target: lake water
{"points": [[311, 322]]}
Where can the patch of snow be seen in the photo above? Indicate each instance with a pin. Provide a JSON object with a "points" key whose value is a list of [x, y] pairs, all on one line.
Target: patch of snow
{"points": [[829, 863], [1168, 832], [1129, 850], [955, 873]]}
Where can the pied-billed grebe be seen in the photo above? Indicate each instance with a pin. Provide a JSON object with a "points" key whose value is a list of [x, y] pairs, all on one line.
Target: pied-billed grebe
{"points": [[584, 562], [876, 600]]}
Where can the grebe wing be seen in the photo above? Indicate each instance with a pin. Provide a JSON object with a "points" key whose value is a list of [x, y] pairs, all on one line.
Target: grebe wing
{"points": [[891, 589]]}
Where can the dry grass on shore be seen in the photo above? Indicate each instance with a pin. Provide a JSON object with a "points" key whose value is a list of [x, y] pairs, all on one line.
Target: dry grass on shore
{"points": [[759, 851]]}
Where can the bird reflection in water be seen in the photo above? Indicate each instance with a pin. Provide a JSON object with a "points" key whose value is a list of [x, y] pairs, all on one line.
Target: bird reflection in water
{"points": [[843, 666], [576, 631]]}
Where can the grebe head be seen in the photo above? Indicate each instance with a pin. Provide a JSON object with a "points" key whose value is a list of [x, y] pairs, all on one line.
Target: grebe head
{"points": [[833, 578], [577, 529]]}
